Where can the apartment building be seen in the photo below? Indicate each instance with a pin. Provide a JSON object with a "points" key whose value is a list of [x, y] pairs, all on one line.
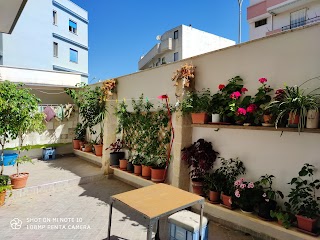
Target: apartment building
{"points": [[50, 35], [266, 17], [179, 43]]}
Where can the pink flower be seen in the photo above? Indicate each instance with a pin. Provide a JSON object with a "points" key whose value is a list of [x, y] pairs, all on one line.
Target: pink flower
{"points": [[267, 199], [251, 185], [242, 179], [264, 195], [243, 90], [243, 185], [221, 86], [241, 111], [263, 80], [237, 193], [279, 91], [251, 108], [235, 95], [237, 183]]}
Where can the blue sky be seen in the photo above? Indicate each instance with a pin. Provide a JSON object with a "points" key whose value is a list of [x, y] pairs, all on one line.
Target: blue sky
{"points": [[120, 31]]}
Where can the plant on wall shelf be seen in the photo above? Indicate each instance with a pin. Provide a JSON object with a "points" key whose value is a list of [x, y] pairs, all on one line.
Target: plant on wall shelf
{"points": [[109, 88], [185, 74]]}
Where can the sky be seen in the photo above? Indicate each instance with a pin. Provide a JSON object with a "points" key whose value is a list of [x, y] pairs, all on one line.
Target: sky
{"points": [[120, 31]]}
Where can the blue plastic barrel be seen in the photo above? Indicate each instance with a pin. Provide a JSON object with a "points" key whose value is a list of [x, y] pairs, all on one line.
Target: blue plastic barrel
{"points": [[9, 159]]}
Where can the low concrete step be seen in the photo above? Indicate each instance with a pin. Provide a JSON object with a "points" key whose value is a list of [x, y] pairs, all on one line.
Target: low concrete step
{"points": [[90, 157]]}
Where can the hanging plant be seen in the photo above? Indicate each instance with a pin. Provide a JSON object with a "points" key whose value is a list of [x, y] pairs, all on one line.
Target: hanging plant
{"points": [[185, 74], [109, 88]]}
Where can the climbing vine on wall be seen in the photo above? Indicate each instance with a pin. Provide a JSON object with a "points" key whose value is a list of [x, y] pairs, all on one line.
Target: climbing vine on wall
{"points": [[146, 132]]}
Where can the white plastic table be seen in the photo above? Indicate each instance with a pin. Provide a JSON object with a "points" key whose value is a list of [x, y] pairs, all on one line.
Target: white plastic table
{"points": [[157, 201]]}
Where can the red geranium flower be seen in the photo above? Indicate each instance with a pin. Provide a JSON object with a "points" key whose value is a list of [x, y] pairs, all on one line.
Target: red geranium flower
{"points": [[243, 90], [251, 108], [235, 95], [241, 111], [279, 91], [263, 80], [221, 86]]}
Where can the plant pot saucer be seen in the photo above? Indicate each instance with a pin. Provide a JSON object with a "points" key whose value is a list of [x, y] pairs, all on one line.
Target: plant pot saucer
{"points": [[266, 219], [267, 124], [220, 123], [214, 202], [316, 233]]}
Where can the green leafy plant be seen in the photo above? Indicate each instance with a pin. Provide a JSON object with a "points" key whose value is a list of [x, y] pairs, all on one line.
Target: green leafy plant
{"points": [[295, 101], [196, 102], [230, 169], [283, 217], [212, 182], [146, 132], [200, 157], [80, 132], [302, 198], [4, 184], [265, 183]]}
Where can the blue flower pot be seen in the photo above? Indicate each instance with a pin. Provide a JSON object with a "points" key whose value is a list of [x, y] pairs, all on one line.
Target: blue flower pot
{"points": [[9, 159]]}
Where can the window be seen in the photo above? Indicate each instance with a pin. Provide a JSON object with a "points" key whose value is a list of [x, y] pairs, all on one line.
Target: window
{"points": [[260, 23], [54, 20], [55, 49], [176, 56], [163, 60], [175, 34], [73, 55], [298, 18], [73, 27]]}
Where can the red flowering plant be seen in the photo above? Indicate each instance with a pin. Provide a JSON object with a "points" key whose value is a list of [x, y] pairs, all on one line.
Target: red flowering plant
{"points": [[223, 100], [247, 194]]}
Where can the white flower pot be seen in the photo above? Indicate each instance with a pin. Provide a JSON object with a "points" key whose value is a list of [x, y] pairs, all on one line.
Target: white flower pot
{"points": [[215, 118], [312, 119]]}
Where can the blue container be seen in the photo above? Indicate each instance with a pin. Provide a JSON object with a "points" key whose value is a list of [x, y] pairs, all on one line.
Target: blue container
{"points": [[9, 159], [48, 153]]}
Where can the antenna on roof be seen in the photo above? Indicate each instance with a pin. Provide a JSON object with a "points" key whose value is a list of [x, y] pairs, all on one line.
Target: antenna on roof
{"points": [[158, 37]]}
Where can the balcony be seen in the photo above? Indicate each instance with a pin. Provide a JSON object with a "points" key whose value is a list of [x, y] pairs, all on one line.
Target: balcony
{"points": [[280, 6], [295, 25], [159, 48]]}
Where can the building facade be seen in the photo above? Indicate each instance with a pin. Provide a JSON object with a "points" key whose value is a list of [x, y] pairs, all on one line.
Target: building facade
{"points": [[50, 35], [180, 43], [266, 17]]}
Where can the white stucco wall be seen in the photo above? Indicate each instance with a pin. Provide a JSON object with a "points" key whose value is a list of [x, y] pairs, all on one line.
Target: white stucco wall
{"points": [[276, 58]]}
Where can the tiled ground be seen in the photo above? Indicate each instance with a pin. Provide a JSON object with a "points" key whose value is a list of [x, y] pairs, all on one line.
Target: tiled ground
{"points": [[43, 172], [83, 206]]}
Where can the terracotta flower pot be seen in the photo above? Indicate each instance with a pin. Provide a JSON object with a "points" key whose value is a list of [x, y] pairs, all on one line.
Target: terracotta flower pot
{"points": [[98, 149], [226, 200], [19, 181], [214, 197], [199, 117], [267, 118], [76, 144], [88, 147], [123, 164], [146, 172], [2, 198], [157, 175], [305, 223], [197, 187], [81, 143], [137, 170], [293, 119]]}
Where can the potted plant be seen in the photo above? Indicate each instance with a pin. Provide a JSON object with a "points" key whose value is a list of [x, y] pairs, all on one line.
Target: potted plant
{"points": [[200, 157], [116, 153], [294, 103], [135, 159], [247, 195], [284, 218], [158, 169], [303, 200], [215, 107], [230, 169], [80, 134], [4, 187], [29, 122], [212, 186], [268, 201], [198, 104]]}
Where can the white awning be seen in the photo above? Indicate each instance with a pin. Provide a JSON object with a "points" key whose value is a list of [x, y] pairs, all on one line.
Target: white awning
{"points": [[10, 11]]}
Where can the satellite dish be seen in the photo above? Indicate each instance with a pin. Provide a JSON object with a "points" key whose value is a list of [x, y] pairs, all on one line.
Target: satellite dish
{"points": [[158, 37]]}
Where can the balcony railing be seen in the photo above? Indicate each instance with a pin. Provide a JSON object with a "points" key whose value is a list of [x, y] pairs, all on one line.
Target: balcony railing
{"points": [[301, 23]]}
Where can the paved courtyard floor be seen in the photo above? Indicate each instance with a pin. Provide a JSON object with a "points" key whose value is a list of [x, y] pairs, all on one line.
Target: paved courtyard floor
{"points": [[81, 212]]}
